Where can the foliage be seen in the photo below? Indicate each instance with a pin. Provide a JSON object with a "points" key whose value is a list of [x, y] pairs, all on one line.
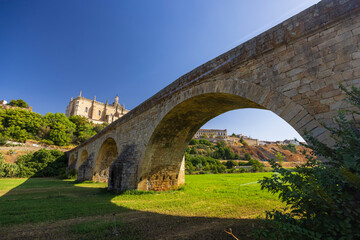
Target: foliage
{"points": [[42, 163], [18, 103], [8, 169], [20, 124], [205, 142], [61, 128], [201, 163], [83, 129], [280, 158], [323, 197], [99, 127], [224, 152], [247, 156], [291, 147], [194, 142], [230, 164], [3, 140], [256, 165]]}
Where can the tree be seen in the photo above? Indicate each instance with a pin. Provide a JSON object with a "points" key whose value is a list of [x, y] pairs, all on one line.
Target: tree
{"points": [[83, 128], [280, 158], [230, 164], [61, 128], [193, 142], [18, 103], [247, 156], [323, 198], [256, 165], [99, 127]]}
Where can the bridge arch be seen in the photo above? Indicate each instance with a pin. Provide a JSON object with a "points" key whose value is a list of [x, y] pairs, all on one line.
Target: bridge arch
{"points": [[190, 109], [83, 156], [71, 160], [106, 156]]}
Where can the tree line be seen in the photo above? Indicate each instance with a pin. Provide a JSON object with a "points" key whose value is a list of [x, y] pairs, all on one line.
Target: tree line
{"points": [[52, 128]]}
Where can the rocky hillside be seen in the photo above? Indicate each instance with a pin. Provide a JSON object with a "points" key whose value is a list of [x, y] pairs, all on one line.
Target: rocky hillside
{"points": [[268, 152]]}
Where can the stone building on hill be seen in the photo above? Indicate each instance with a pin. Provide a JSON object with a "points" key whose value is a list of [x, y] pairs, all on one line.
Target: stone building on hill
{"points": [[211, 133], [95, 111]]}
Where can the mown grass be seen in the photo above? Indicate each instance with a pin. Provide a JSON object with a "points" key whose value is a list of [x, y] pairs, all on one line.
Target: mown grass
{"points": [[217, 195], [48, 200]]}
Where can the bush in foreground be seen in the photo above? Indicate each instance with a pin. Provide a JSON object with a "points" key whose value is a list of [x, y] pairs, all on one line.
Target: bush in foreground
{"points": [[323, 197]]}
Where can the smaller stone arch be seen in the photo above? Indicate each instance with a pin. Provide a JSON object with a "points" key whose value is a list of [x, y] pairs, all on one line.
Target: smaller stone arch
{"points": [[71, 159], [106, 156], [84, 155]]}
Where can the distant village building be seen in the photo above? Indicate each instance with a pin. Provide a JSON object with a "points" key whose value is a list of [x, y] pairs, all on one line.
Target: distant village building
{"points": [[95, 111], [211, 133]]}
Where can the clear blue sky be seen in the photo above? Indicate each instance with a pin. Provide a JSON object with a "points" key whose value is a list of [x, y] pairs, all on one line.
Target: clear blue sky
{"points": [[50, 50]]}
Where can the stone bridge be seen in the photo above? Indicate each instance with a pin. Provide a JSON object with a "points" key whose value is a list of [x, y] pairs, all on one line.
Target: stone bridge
{"points": [[293, 69]]}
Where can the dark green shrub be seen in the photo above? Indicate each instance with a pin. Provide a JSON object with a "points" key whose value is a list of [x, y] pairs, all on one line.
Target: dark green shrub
{"points": [[18, 103], [3, 140], [193, 142], [42, 163], [230, 164], [256, 165], [205, 142], [291, 147]]}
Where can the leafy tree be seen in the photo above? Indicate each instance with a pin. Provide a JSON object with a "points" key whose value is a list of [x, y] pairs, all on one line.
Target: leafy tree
{"points": [[18, 103], [205, 142], [193, 142], [83, 129], [256, 165], [291, 147], [323, 197], [193, 151], [61, 128], [280, 158], [247, 156], [230, 164], [3, 140], [99, 127], [233, 135]]}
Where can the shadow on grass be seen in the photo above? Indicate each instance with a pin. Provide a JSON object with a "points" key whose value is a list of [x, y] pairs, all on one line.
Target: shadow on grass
{"points": [[49, 208]]}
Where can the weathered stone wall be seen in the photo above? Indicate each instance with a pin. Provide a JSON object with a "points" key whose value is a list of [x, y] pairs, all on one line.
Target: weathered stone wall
{"points": [[292, 69]]}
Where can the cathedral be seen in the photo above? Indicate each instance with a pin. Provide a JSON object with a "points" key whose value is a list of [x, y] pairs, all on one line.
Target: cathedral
{"points": [[95, 111]]}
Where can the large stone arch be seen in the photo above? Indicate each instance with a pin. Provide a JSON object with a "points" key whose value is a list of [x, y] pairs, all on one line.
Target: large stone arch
{"points": [[106, 156], [83, 156], [188, 110]]}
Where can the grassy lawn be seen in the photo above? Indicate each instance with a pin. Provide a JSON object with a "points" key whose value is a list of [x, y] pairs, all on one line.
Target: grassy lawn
{"points": [[85, 210]]}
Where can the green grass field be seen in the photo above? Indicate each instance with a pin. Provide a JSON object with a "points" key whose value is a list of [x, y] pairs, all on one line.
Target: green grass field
{"points": [[85, 210]]}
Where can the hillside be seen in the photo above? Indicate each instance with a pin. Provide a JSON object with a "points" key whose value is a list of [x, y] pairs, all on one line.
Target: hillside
{"points": [[202, 155], [268, 152]]}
